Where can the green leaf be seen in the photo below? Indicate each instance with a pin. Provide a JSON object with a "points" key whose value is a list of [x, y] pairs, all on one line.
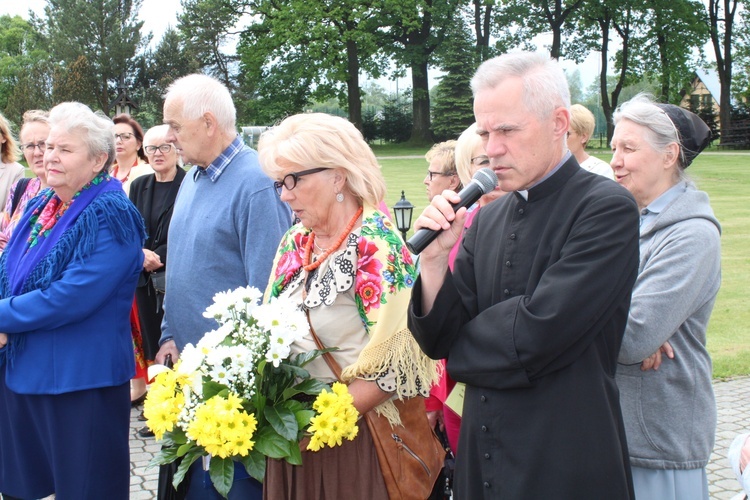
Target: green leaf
{"points": [[255, 464], [282, 420], [184, 448], [295, 455], [211, 389], [303, 418], [187, 461], [164, 456], [309, 386], [303, 358], [221, 471], [294, 371], [271, 444]]}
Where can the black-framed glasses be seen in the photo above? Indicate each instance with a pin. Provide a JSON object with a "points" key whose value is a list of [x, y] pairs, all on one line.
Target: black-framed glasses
{"points": [[480, 161], [164, 148], [290, 180], [125, 136], [446, 174], [29, 148]]}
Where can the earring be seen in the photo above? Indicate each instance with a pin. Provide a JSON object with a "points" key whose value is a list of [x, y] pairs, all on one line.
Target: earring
{"points": [[340, 197]]}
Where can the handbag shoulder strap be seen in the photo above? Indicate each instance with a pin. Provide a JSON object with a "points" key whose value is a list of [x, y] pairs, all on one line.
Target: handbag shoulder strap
{"points": [[332, 363]]}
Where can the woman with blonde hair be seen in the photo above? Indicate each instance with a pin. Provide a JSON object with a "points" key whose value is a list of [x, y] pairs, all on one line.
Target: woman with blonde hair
{"points": [[10, 169], [582, 125], [33, 137], [347, 266]]}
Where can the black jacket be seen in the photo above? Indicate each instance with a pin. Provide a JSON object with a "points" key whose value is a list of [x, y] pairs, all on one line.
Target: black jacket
{"points": [[531, 320]]}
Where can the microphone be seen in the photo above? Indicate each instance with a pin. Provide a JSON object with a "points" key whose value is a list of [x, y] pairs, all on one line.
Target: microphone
{"points": [[483, 182]]}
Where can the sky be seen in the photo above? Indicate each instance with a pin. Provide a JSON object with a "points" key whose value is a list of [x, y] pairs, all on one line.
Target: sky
{"points": [[158, 15]]}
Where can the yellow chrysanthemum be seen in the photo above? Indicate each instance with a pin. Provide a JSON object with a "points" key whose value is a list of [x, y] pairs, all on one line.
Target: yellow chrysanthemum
{"points": [[222, 427], [163, 404], [336, 419]]}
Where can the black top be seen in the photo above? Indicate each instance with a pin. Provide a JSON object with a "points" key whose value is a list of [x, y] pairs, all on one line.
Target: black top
{"points": [[531, 320]]}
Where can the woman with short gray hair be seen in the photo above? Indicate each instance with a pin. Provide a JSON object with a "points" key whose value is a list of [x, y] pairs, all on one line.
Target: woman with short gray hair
{"points": [[664, 372], [67, 279]]}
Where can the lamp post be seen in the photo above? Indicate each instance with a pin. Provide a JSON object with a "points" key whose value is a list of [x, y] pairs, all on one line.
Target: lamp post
{"points": [[402, 211]]}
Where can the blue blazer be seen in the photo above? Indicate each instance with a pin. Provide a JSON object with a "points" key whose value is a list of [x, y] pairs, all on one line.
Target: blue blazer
{"points": [[77, 330]]}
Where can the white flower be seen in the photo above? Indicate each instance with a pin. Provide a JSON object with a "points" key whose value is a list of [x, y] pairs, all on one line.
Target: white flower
{"points": [[191, 359], [213, 338], [220, 308]]}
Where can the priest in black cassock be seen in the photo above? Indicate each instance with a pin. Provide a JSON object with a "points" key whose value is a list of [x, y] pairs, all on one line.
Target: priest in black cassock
{"points": [[532, 317]]}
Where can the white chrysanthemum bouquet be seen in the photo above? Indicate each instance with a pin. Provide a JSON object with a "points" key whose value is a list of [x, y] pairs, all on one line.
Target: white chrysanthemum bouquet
{"points": [[235, 395]]}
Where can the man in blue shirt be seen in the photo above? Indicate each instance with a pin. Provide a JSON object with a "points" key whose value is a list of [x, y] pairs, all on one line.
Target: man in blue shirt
{"points": [[227, 221]]}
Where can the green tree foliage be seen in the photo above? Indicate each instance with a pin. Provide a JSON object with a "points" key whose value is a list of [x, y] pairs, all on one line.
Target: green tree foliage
{"points": [[721, 14], [25, 70], [663, 55], [598, 24], [326, 44], [411, 31], [453, 109], [396, 122], [518, 21], [156, 69], [206, 27], [94, 42]]}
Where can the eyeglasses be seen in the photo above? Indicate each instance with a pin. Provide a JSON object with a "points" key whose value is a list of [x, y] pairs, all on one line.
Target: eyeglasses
{"points": [[164, 148], [480, 161], [29, 148], [125, 136], [290, 180], [446, 174]]}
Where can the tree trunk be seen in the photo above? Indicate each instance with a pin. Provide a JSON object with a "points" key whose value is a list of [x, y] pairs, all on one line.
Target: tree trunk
{"points": [[352, 84], [723, 51], [420, 132]]}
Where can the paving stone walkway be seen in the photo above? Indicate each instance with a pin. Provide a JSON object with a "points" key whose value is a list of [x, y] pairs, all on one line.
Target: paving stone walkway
{"points": [[732, 399]]}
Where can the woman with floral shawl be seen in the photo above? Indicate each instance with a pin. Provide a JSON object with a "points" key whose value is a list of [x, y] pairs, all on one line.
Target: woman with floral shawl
{"points": [[346, 265], [67, 278]]}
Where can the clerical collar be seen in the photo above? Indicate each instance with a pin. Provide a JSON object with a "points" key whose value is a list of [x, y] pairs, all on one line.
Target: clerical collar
{"points": [[525, 192]]}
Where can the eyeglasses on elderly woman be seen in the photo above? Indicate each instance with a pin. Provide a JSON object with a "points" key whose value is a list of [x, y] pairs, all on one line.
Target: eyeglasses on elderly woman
{"points": [[31, 146], [164, 148], [290, 180], [446, 174]]}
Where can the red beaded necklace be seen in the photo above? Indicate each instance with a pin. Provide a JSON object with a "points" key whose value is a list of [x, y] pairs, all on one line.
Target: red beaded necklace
{"points": [[308, 246]]}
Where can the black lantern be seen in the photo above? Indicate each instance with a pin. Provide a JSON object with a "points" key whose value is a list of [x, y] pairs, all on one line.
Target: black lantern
{"points": [[402, 212]]}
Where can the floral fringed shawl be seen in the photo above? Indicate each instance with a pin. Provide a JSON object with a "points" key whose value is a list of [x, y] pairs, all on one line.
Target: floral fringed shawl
{"points": [[385, 274]]}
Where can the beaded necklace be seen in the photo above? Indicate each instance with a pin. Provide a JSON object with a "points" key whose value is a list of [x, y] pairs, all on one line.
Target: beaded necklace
{"points": [[311, 240]]}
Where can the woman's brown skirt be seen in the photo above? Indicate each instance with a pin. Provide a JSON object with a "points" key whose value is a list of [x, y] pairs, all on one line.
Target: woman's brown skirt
{"points": [[351, 470]]}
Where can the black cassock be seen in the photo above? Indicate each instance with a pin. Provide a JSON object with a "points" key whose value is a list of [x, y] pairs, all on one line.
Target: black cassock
{"points": [[531, 320]]}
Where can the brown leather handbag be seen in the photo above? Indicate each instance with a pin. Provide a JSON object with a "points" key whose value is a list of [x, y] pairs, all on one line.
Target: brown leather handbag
{"points": [[410, 455]]}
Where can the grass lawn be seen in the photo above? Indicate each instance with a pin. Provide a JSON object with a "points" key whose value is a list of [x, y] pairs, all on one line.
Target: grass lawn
{"points": [[724, 176]]}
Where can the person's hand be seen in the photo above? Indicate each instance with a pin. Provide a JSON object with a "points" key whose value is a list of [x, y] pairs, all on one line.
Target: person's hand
{"points": [[439, 216], [654, 361], [436, 418], [3, 340], [168, 347], [151, 261]]}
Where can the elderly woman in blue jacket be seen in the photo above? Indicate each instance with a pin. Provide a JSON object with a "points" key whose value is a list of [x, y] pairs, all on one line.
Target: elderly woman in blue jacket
{"points": [[67, 278]]}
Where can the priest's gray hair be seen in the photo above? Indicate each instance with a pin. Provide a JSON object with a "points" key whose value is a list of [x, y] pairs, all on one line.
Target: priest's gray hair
{"points": [[544, 83]]}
